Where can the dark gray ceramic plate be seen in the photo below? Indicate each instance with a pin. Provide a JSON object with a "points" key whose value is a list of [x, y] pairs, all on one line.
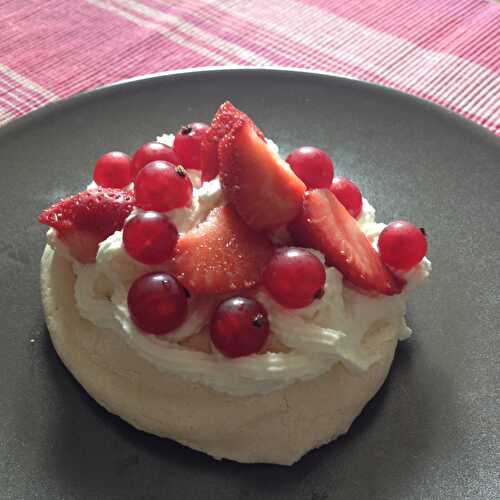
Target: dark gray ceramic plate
{"points": [[431, 432]]}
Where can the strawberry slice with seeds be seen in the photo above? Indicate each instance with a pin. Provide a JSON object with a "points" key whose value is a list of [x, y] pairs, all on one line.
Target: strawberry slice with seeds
{"points": [[222, 123], [325, 224], [85, 219], [261, 186], [221, 255]]}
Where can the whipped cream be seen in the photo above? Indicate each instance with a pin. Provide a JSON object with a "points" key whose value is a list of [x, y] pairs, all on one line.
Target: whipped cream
{"points": [[330, 330]]}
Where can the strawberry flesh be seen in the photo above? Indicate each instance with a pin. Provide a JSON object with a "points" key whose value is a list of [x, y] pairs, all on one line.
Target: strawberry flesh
{"points": [[325, 225], [221, 255], [85, 219], [222, 123], [257, 182]]}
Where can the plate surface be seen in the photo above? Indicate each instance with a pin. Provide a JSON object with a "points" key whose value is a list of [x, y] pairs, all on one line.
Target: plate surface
{"points": [[431, 432]]}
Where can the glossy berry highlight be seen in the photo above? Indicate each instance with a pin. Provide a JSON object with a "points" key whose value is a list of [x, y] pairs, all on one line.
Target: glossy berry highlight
{"points": [[294, 277], [348, 194], [187, 144], [113, 170], [162, 186], [157, 303], [402, 245], [149, 152], [312, 165], [150, 237], [239, 327]]}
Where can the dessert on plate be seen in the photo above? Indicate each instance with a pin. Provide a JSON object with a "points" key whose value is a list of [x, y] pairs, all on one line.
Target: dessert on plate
{"points": [[208, 291]]}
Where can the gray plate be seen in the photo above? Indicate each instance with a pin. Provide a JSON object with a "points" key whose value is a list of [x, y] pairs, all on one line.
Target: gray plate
{"points": [[431, 432]]}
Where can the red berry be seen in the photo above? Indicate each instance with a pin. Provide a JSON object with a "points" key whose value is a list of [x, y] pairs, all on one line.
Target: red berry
{"points": [[348, 194], [85, 219], [221, 255], [312, 165], [150, 237], [152, 151], [187, 144], [257, 182], [157, 303], [112, 170], [294, 277], [402, 245], [161, 186], [326, 225], [239, 327], [223, 121]]}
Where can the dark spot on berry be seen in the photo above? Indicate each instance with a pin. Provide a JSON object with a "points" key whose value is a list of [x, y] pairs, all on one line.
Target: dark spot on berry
{"points": [[422, 230], [319, 293], [258, 320], [186, 130], [181, 171], [188, 295]]}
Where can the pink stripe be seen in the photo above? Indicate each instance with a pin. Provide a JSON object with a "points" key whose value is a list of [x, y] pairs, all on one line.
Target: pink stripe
{"points": [[189, 38], [437, 20], [89, 47]]}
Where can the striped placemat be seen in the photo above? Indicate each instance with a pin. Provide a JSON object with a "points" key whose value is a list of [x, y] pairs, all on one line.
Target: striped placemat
{"points": [[447, 51]]}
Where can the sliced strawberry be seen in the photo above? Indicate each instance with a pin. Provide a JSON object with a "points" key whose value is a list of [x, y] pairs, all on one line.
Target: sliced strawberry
{"points": [[222, 123], [325, 224], [262, 187], [87, 218], [221, 255]]}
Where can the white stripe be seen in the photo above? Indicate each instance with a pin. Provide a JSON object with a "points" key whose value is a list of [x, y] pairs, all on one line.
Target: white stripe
{"points": [[16, 93], [491, 113], [5, 116], [189, 28], [401, 62], [480, 100], [27, 83], [178, 36]]}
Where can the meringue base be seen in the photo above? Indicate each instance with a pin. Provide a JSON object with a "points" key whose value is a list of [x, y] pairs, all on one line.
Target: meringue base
{"points": [[279, 427]]}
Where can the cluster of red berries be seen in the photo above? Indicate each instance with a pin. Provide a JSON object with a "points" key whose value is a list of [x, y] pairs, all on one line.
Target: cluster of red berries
{"points": [[294, 276], [161, 184]]}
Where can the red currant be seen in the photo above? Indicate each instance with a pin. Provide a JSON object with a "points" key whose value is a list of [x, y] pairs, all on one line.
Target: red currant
{"points": [[157, 303], [152, 151], [402, 245], [239, 327], [187, 144], [150, 237], [312, 165], [112, 170], [161, 186], [348, 194], [294, 277]]}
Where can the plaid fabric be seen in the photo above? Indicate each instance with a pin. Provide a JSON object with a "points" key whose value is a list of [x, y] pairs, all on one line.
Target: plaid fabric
{"points": [[447, 51]]}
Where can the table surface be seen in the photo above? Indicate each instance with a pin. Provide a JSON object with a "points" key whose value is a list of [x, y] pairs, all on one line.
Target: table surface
{"points": [[430, 433], [447, 51]]}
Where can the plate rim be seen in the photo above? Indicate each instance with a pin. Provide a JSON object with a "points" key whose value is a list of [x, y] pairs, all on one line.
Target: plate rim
{"points": [[61, 104]]}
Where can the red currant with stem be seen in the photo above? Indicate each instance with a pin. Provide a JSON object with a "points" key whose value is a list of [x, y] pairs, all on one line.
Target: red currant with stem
{"points": [[157, 303], [402, 245], [161, 186], [187, 144], [312, 165], [150, 237], [348, 194], [113, 170], [239, 327], [294, 277], [152, 151]]}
